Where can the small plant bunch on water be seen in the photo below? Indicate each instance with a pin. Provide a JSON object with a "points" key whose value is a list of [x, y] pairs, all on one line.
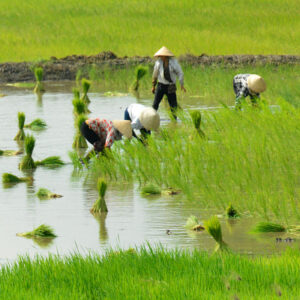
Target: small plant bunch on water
{"points": [[80, 107], [85, 88], [231, 212], [150, 189], [213, 227], [51, 161], [193, 223], [196, 118], [37, 124], [21, 122], [43, 231], [10, 152], [140, 72], [39, 87], [8, 179], [100, 204], [43, 193], [263, 227], [27, 161], [79, 140]]}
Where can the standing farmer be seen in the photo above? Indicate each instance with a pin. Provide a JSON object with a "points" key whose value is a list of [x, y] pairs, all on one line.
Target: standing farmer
{"points": [[166, 70], [102, 133], [248, 85]]}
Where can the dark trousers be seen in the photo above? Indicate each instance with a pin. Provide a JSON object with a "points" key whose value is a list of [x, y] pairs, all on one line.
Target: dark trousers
{"points": [[89, 134], [161, 90], [144, 131]]}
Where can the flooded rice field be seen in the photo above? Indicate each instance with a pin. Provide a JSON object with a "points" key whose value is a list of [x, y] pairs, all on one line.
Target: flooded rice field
{"points": [[132, 220]]}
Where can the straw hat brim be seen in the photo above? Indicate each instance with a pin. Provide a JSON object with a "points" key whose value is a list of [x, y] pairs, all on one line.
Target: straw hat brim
{"points": [[256, 83], [150, 119], [164, 52], [124, 127]]}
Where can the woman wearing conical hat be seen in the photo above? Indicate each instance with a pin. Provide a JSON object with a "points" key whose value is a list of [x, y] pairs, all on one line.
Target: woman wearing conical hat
{"points": [[166, 70], [248, 85]]}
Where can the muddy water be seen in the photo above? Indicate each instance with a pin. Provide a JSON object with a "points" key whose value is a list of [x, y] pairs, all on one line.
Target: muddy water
{"points": [[132, 219]]}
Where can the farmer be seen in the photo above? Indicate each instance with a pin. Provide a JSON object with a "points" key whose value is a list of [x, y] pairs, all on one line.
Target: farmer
{"points": [[166, 70], [248, 85], [142, 118], [102, 133]]}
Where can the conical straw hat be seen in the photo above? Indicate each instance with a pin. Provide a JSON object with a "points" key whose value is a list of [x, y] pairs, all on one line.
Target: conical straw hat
{"points": [[256, 83], [163, 51], [124, 127], [149, 118]]}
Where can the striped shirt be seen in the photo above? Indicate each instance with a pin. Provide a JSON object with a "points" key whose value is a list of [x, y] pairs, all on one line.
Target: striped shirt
{"points": [[240, 86]]}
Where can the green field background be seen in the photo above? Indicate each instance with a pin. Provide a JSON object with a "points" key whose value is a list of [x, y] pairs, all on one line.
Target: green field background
{"points": [[34, 29]]}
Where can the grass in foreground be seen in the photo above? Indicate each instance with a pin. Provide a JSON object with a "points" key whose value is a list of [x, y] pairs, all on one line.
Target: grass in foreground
{"points": [[154, 274]]}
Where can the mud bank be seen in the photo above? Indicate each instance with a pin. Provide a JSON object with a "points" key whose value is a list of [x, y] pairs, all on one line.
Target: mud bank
{"points": [[66, 68]]}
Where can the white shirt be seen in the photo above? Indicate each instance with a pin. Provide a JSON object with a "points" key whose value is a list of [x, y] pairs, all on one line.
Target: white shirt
{"points": [[134, 111], [175, 71]]}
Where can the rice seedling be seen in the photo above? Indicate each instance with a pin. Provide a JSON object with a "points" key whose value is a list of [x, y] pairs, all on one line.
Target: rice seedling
{"points": [[150, 189], [264, 227], [100, 204], [193, 223], [85, 88], [37, 124], [140, 72], [213, 227], [10, 152], [21, 121], [39, 87], [196, 118], [79, 140], [27, 161], [231, 212], [76, 94], [43, 193], [52, 161], [12, 179], [80, 107], [43, 231]]}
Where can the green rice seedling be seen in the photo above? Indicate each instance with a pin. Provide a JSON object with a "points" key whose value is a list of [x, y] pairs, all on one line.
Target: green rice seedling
{"points": [[150, 189], [193, 223], [52, 161], [231, 212], [43, 231], [39, 87], [80, 107], [37, 124], [21, 121], [85, 88], [43, 193], [263, 227], [100, 204], [140, 72], [11, 152], [213, 227], [27, 161], [1, 152], [76, 93], [79, 140], [196, 118], [11, 179]]}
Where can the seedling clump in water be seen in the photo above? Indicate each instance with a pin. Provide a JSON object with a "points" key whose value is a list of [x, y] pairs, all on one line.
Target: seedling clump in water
{"points": [[231, 212], [140, 72], [100, 205], [79, 140], [268, 227], [11, 179], [43, 231], [21, 121], [43, 193], [39, 87], [37, 124], [192, 223], [52, 161], [85, 87], [196, 118], [150, 189], [27, 161]]}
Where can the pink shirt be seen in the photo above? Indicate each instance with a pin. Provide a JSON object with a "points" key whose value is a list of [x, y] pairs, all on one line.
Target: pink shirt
{"points": [[104, 129]]}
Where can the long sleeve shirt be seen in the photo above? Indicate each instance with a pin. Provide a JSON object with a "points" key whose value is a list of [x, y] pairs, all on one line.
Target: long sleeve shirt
{"points": [[240, 86], [175, 71], [134, 111], [105, 130]]}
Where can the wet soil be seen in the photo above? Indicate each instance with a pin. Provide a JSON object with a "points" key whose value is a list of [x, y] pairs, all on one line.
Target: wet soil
{"points": [[66, 68]]}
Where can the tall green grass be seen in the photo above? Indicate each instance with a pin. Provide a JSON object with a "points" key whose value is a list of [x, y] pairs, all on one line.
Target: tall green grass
{"points": [[152, 274], [128, 27]]}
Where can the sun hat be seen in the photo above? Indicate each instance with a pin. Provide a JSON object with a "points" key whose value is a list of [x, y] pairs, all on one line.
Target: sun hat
{"points": [[149, 118], [163, 51], [256, 83], [124, 127]]}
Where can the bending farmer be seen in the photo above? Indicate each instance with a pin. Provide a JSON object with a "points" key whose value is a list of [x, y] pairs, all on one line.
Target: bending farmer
{"points": [[248, 85], [102, 133], [142, 118], [166, 69]]}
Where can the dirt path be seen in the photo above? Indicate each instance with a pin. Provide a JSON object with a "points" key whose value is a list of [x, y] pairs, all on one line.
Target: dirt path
{"points": [[67, 67]]}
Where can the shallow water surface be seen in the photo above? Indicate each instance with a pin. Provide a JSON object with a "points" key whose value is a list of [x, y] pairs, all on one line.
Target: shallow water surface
{"points": [[132, 219]]}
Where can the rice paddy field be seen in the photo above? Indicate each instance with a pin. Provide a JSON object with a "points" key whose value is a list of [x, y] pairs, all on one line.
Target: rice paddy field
{"points": [[37, 30]]}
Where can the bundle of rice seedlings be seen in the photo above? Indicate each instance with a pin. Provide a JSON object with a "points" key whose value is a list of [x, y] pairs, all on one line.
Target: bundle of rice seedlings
{"points": [[11, 179], [192, 223], [38, 73], [80, 107], [27, 161], [268, 227], [79, 140], [170, 192], [231, 212], [43, 231], [21, 121], [140, 72], [37, 124], [100, 205], [10, 152], [196, 118], [150, 189], [76, 94], [52, 161], [85, 88], [43, 193], [213, 227]]}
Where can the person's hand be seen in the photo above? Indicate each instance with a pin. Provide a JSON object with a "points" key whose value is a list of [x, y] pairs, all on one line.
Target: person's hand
{"points": [[183, 88], [153, 90]]}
